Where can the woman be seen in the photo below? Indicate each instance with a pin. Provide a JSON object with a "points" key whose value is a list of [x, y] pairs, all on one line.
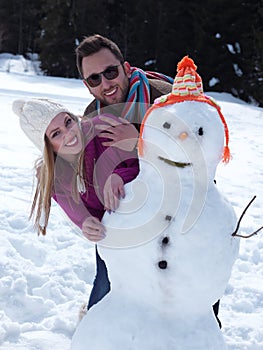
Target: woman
{"points": [[77, 170]]}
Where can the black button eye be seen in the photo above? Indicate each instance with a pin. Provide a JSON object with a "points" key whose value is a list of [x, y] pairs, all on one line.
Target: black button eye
{"points": [[201, 131], [167, 125]]}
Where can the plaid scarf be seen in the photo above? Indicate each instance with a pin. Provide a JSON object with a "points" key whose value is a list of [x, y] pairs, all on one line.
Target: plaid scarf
{"points": [[139, 93]]}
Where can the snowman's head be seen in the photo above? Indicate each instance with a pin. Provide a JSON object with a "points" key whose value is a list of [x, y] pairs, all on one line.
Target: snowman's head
{"points": [[185, 128]]}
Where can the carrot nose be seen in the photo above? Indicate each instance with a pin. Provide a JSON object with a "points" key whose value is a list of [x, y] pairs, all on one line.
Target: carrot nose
{"points": [[183, 135]]}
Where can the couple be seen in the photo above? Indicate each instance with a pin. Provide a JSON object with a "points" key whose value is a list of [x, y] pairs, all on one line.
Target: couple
{"points": [[70, 148]]}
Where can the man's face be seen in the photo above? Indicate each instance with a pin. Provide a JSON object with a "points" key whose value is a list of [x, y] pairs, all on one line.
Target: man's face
{"points": [[107, 92]]}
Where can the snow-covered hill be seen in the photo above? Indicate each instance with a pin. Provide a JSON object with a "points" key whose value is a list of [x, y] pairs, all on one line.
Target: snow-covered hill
{"points": [[44, 280]]}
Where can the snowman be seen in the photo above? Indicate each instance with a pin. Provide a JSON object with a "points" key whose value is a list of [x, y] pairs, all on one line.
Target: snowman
{"points": [[169, 247]]}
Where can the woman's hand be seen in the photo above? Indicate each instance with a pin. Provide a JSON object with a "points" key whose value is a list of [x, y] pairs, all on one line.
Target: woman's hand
{"points": [[93, 229], [122, 134], [113, 191]]}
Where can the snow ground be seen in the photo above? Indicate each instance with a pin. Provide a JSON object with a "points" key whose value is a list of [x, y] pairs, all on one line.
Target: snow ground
{"points": [[44, 280]]}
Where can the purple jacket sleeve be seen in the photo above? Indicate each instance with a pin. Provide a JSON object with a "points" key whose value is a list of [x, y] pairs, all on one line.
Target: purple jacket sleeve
{"points": [[128, 169], [101, 161], [77, 212]]}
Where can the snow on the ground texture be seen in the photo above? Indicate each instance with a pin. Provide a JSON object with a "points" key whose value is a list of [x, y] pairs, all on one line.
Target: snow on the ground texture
{"points": [[45, 280]]}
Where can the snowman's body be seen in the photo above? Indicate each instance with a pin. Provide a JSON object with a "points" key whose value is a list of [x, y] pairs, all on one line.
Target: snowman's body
{"points": [[169, 249]]}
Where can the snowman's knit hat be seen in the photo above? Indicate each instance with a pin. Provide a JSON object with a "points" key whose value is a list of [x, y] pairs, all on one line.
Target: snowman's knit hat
{"points": [[35, 115], [187, 86], [187, 82]]}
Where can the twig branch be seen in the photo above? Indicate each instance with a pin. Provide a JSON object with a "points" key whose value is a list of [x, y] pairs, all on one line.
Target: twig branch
{"points": [[234, 234]]}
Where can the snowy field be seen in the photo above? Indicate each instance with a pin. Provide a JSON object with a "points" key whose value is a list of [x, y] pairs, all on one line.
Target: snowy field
{"points": [[45, 280]]}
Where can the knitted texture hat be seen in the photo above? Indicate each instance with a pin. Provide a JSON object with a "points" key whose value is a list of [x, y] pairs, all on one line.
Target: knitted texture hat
{"points": [[187, 86], [35, 115]]}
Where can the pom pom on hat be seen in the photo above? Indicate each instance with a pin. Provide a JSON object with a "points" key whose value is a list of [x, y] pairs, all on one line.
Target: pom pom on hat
{"points": [[187, 86], [187, 80], [35, 115]]}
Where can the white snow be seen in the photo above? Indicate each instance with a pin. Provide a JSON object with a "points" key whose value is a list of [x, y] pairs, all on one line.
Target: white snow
{"points": [[45, 280], [213, 81], [231, 48]]}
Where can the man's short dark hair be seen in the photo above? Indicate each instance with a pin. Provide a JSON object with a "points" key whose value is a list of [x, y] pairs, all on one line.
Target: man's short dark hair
{"points": [[92, 44]]}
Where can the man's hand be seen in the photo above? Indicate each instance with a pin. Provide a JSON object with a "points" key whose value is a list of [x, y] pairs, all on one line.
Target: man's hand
{"points": [[122, 133], [113, 191], [93, 229]]}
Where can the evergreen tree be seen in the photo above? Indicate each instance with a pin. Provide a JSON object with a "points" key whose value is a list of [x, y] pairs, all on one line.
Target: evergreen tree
{"points": [[224, 39], [19, 26], [90, 18], [57, 38]]}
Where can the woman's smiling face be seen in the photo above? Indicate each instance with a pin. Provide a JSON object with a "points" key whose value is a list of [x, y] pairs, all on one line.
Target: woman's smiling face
{"points": [[64, 135]]}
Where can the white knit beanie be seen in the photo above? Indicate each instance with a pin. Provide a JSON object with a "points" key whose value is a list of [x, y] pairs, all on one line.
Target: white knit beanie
{"points": [[35, 116]]}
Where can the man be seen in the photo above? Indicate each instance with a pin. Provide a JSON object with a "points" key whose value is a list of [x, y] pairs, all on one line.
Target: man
{"points": [[124, 91], [117, 87]]}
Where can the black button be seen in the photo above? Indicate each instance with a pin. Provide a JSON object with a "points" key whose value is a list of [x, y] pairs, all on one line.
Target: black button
{"points": [[165, 240], [162, 264], [166, 125]]}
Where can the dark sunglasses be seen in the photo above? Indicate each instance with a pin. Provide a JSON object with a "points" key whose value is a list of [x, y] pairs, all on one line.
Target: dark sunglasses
{"points": [[110, 73]]}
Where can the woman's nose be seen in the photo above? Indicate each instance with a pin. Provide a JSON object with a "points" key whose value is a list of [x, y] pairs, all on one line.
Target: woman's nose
{"points": [[67, 132]]}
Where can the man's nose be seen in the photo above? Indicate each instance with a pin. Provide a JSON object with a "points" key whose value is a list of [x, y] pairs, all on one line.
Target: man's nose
{"points": [[105, 82]]}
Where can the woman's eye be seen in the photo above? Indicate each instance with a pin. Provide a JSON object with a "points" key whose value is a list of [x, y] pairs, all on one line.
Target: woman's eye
{"points": [[200, 131], [68, 121], [56, 133]]}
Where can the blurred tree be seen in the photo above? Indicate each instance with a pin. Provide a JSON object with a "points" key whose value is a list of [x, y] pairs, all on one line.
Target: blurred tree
{"points": [[224, 39], [19, 26], [90, 18], [57, 38], [232, 56], [64, 25]]}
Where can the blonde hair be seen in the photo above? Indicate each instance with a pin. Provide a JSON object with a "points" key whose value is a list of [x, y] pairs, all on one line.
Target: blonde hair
{"points": [[45, 174]]}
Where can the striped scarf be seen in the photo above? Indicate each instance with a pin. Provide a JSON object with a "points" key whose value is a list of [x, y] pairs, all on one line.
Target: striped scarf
{"points": [[139, 93]]}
